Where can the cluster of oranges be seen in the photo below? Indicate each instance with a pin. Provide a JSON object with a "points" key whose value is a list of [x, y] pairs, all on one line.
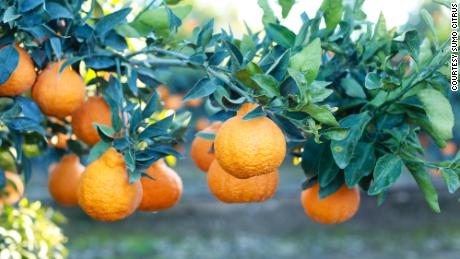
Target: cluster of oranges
{"points": [[103, 190], [242, 166]]}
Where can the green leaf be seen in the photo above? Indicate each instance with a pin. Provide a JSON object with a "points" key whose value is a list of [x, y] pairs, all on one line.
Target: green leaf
{"points": [[412, 43], [439, 112], [202, 88], [426, 16], [254, 113], [332, 187], [206, 135], [387, 170], [268, 84], [335, 133], [157, 19], [373, 81], [343, 150], [286, 6], [380, 30], [451, 179], [332, 13], [361, 164], [109, 22], [130, 161], [321, 114], [423, 180], [268, 16], [98, 150], [353, 88], [9, 58], [244, 75], [281, 35], [446, 3], [308, 60], [327, 169]]}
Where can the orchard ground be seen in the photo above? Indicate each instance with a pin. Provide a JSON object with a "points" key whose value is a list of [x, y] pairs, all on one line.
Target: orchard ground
{"points": [[202, 227]]}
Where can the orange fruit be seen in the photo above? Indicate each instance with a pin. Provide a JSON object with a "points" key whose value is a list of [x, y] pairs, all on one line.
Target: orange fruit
{"points": [[13, 190], [104, 191], [162, 192], [450, 149], [58, 95], [59, 140], [246, 148], [201, 124], [194, 102], [63, 180], [230, 189], [201, 149], [163, 92], [335, 208], [174, 102], [22, 78], [94, 110]]}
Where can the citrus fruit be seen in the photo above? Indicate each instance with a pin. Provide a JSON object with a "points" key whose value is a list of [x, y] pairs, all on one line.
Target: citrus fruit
{"points": [[57, 94], [450, 149], [174, 102], [246, 148], [335, 208], [201, 148], [162, 192], [63, 180], [22, 78], [59, 140], [230, 189], [104, 191], [94, 110], [13, 190], [163, 92], [201, 124]]}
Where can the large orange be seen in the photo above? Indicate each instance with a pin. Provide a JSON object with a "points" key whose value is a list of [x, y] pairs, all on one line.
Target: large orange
{"points": [[94, 110], [63, 180], [13, 190], [162, 192], [201, 149], [246, 148], [335, 208], [22, 78], [230, 189], [58, 95], [104, 192]]}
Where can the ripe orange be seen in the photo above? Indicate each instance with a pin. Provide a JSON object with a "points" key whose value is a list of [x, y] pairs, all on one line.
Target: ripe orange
{"points": [[174, 102], [22, 78], [163, 192], [94, 110], [13, 190], [230, 189], [104, 191], [63, 180], [58, 95], [163, 92], [246, 148], [201, 149], [450, 149], [335, 208]]}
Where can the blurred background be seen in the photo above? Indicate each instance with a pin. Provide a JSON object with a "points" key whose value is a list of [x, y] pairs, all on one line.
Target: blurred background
{"points": [[201, 227]]}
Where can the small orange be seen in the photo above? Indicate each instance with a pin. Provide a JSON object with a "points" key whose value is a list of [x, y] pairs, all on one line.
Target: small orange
{"points": [[201, 149], [335, 208], [230, 189], [58, 95], [94, 110], [63, 180], [22, 78], [13, 190], [104, 191], [246, 148], [162, 192], [174, 102], [163, 92], [450, 149], [59, 140]]}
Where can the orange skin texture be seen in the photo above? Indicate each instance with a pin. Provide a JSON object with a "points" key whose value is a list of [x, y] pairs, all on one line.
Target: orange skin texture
{"points": [[22, 78], [58, 95], [335, 208], [450, 149], [201, 149], [104, 192], [14, 189], [174, 102], [249, 148], [230, 189], [64, 178], [94, 110], [162, 193]]}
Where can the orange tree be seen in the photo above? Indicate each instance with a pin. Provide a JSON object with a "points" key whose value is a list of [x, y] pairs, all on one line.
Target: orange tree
{"points": [[350, 97]]}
